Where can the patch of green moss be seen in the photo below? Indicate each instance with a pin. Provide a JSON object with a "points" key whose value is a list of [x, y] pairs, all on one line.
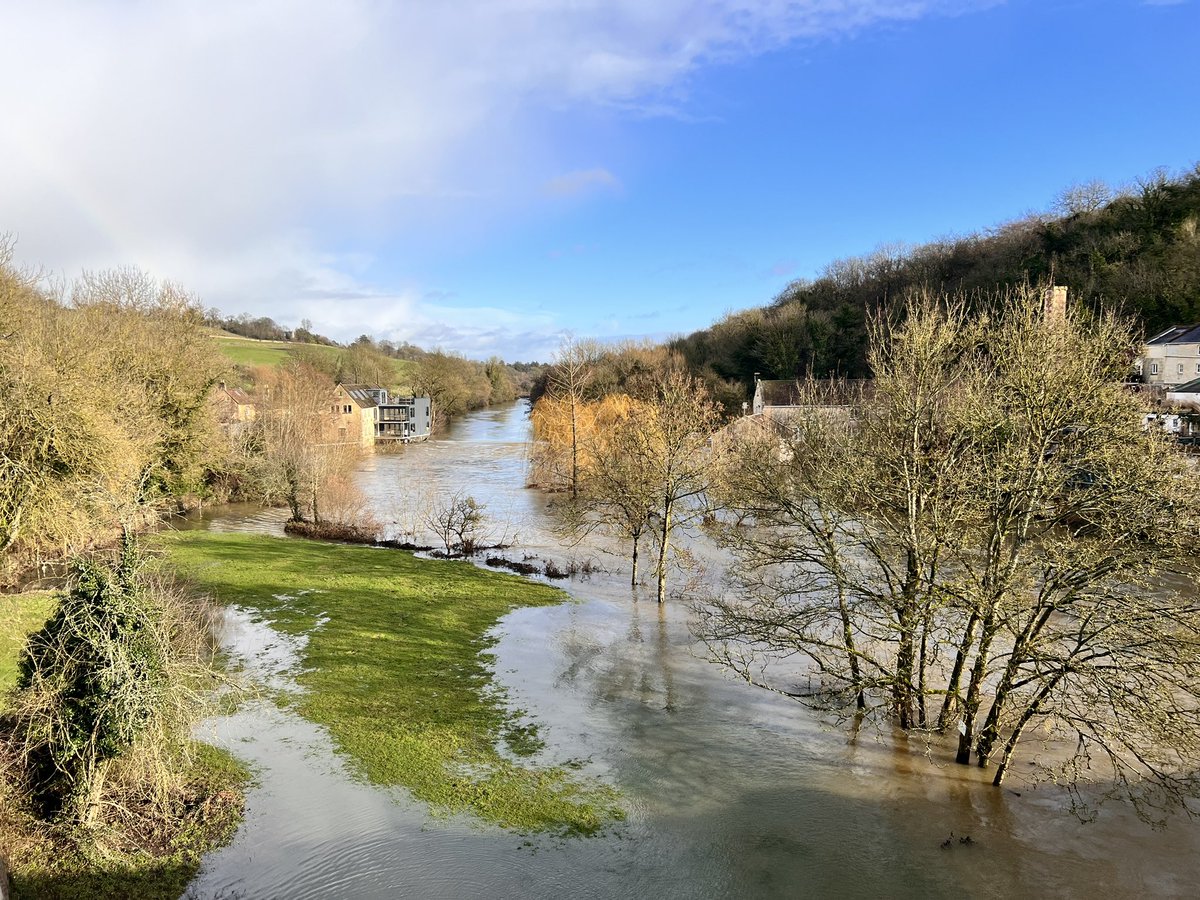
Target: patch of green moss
{"points": [[397, 670]]}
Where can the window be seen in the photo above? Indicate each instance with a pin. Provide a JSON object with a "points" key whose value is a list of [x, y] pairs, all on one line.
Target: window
{"points": [[1179, 369], [1153, 368], [347, 409]]}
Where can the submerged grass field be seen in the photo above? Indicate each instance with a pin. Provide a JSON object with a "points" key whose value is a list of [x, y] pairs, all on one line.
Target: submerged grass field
{"points": [[396, 667]]}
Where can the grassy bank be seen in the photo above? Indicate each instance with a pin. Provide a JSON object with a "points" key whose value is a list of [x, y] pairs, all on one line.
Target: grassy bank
{"points": [[396, 667], [149, 852]]}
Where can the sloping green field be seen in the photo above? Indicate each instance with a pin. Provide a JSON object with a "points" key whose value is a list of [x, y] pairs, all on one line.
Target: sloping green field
{"points": [[249, 352]]}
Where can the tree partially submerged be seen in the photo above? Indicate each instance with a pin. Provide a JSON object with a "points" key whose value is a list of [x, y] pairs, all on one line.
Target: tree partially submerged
{"points": [[305, 457], [458, 520], [985, 544], [617, 494]]}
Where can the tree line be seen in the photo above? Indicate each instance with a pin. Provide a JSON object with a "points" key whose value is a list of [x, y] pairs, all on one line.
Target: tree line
{"points": [[106, 411], [1135, 248]]}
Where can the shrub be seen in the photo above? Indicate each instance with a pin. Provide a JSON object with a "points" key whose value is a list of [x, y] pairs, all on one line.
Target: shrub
{"points": [[118, 668]]}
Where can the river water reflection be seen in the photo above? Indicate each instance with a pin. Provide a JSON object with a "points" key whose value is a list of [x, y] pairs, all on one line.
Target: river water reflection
{"points": [[732, 792]]}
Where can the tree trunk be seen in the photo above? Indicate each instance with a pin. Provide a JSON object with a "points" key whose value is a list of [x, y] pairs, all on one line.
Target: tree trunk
{"points": [[1019, 653], [662, 553], [902, 686], [966, 738], [574, 449], [633, 576], [922, 713], [89, 794], [1030, 711], [848, 639], [960, 659]]}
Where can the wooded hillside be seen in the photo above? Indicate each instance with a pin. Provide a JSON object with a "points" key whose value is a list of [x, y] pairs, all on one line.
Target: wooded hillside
{"points": [[1137, 250]]}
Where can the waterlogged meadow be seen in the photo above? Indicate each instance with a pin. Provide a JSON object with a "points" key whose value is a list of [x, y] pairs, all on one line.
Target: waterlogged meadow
{"points": [[394, 662]]}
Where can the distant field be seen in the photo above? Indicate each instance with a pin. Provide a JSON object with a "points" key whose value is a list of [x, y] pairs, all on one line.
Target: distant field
{"points": [[248, 352]]}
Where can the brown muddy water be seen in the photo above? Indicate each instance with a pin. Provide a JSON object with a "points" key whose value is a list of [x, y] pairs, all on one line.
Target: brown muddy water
{"points": [[731, 791]]}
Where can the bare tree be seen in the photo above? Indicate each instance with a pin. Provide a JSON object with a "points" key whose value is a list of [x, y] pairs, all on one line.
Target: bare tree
{"points": [[617, 493], [990, 528], [1086, 197], [458, 520], [573, 368], [660, 455], [297, 427]]}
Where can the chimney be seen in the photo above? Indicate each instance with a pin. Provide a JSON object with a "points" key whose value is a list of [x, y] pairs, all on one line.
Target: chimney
{"points": [[1054, 303]]}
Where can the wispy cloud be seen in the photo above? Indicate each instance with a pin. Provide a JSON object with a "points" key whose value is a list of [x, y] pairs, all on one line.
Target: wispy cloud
{"points": [[235, 144]]}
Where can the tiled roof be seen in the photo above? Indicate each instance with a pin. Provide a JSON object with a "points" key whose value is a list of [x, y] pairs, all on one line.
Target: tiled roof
{"points": [[1178, 334]]}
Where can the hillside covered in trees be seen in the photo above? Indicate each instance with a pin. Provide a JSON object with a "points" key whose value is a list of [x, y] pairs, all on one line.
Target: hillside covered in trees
{"points": [[1137, 250]]}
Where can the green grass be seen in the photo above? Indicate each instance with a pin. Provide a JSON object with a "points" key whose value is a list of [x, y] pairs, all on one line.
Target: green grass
{"points": [[247, 352], [20, 616], [399, 672]]}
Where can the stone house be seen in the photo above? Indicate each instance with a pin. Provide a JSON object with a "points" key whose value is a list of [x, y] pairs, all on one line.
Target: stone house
{"points": [[235, 409], [354, 408], [783, 400]]}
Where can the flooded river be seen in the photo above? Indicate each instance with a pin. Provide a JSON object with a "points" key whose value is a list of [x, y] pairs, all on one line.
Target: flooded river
{"points": [[731, 791]]}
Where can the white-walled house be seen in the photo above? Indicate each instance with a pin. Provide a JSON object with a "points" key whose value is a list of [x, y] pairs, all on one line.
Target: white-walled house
{"points": [[1172, 357]]}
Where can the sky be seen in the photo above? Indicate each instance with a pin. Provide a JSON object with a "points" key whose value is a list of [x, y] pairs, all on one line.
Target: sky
{"points": [[490, 176]]}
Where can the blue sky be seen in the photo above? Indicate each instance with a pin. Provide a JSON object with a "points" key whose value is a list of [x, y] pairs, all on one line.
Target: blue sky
{"points": [[489, 175]]}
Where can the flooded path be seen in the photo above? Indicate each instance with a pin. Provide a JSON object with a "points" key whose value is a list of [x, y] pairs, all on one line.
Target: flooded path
{"points": [[731, 791]]}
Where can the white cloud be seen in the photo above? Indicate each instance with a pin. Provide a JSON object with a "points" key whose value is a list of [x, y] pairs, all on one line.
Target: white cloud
{"points": [[231, 144]]}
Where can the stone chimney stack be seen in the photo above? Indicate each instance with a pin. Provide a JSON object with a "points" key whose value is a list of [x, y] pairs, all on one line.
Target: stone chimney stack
{"points": [[1054, 303]]}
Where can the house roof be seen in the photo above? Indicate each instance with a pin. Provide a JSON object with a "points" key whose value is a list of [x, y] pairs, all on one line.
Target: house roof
{"points": [[237, 395], [1177, 334], [1192, 387], [361, 394]]}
